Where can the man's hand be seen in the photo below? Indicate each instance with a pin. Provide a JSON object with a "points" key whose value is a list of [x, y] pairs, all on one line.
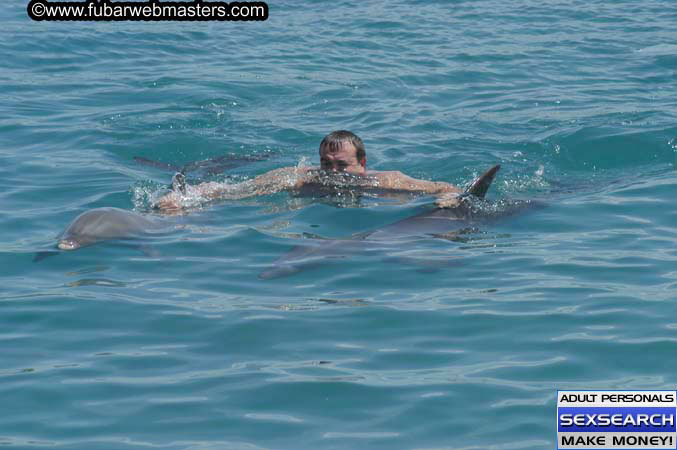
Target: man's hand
{"points": [[168, 203]]}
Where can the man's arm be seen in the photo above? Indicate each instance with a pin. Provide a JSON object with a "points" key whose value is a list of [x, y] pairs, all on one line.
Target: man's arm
{"points": [[268, 183], [448, 195], [288, 178], [398, 180]]}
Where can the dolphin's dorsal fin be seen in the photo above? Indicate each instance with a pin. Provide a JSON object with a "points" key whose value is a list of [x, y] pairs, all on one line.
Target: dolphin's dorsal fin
{"points": [[480, 186]]}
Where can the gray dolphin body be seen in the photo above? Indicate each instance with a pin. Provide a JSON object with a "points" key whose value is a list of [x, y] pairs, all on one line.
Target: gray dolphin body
{"points": [[204, 168], [445, 223], [210, 166], [102, 224]]}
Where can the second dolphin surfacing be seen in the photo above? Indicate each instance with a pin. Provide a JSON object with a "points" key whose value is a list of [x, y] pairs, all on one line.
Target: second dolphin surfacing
{"points": [[104, 224], [438, 222]]}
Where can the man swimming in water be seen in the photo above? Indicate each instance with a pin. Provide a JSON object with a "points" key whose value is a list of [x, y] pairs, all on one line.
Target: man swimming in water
{"points": [[343, 164]]}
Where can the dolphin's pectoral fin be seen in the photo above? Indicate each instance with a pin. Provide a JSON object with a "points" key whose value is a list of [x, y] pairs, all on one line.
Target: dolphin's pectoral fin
{"points": [[480, 186], [288, 267], [310, 254], [278, 271], [39, 256]]}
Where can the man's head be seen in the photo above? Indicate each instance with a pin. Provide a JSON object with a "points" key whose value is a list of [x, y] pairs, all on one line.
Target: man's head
{"points": [[343, 151]]}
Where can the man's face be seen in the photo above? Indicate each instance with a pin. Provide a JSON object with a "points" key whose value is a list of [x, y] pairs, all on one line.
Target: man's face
{"points": [[344, 159]]}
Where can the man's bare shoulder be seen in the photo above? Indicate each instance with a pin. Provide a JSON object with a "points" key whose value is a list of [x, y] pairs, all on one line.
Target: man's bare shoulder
{"points": [[290, 170], [284, 177]]}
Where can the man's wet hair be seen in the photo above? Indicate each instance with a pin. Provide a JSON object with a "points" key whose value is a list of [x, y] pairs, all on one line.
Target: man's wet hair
{"points": [[335, 140]]}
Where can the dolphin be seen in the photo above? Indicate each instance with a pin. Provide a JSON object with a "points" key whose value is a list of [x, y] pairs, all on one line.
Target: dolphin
{"points": [[103, 224], [445, 223], [210, 166], [206, 167]]}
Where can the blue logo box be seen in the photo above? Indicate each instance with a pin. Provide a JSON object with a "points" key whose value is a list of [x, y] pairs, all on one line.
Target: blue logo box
{"points": [[616, 420]]}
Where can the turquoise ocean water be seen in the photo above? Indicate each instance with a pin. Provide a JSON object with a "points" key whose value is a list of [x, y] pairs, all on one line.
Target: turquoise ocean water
{"points": [[187, 347]]}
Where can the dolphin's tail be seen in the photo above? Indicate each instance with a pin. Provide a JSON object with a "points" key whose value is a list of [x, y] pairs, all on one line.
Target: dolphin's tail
{"points": [[480, 186]]}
